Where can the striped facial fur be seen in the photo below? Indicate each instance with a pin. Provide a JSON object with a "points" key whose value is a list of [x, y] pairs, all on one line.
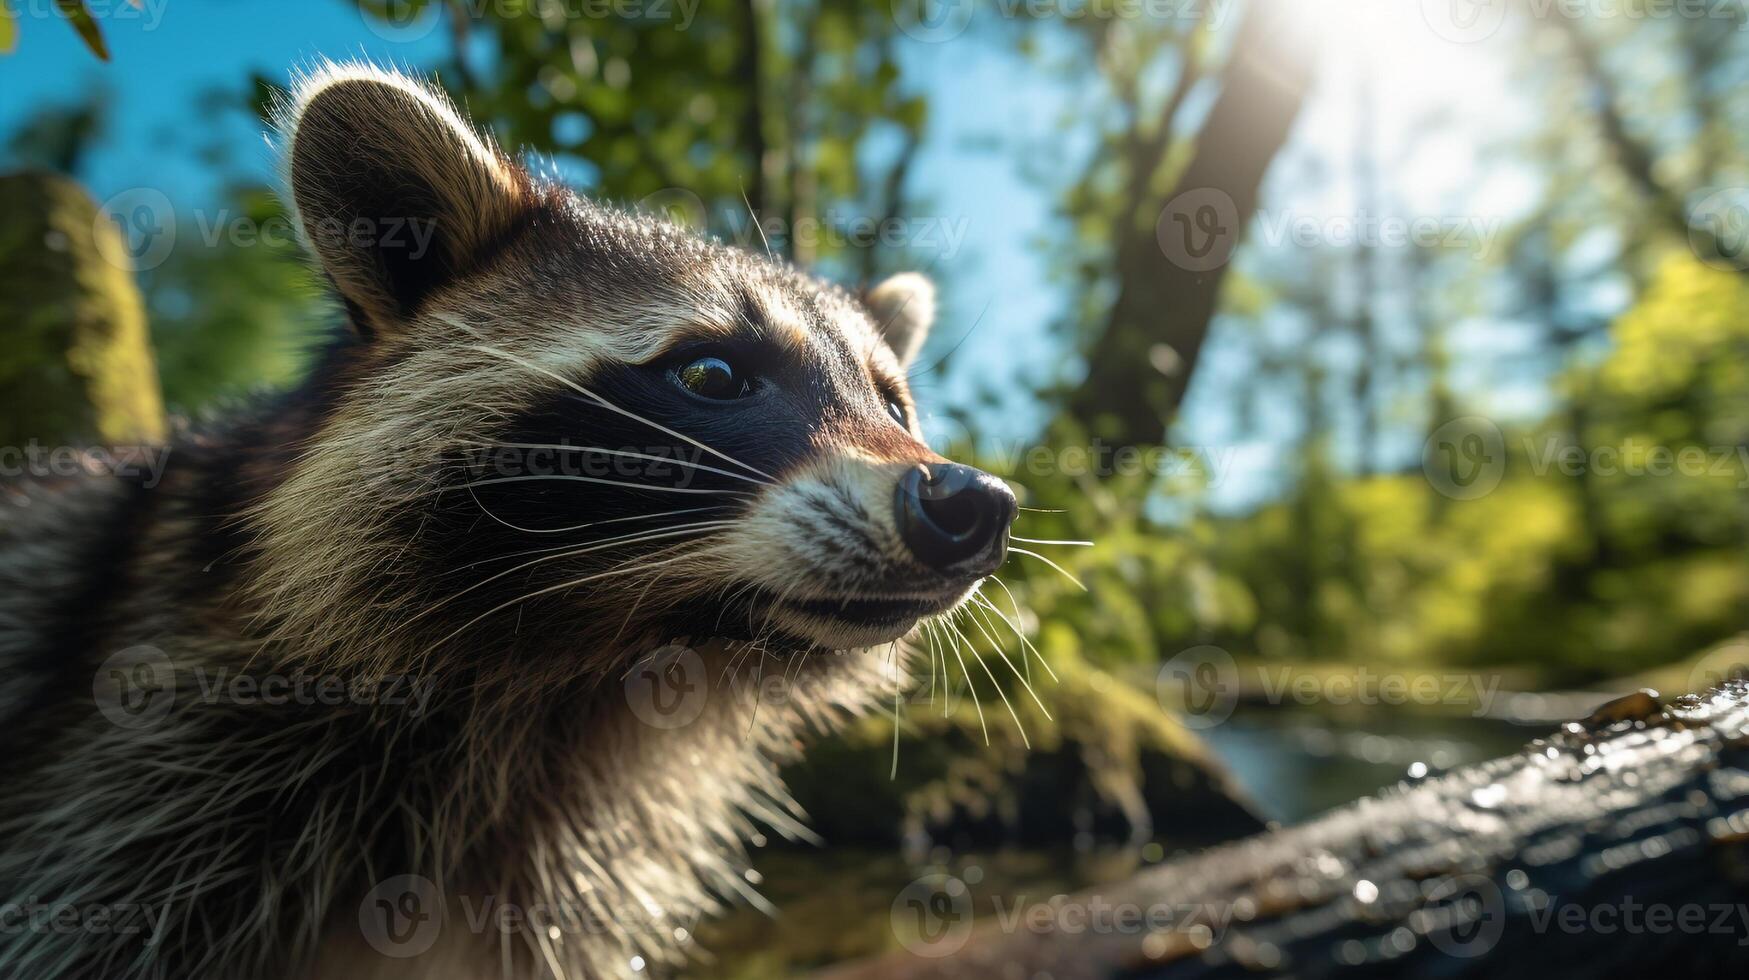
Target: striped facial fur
{"points": [[588, 428]]}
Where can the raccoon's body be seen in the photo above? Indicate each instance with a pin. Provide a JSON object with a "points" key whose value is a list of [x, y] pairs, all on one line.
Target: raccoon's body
{"points": [[355, 690]]}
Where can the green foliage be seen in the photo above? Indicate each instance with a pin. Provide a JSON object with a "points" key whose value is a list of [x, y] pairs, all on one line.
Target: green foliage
{"points": [[1582, 572], [237, 308], [741, 109]]}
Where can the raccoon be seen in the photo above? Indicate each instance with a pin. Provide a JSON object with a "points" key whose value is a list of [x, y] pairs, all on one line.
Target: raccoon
{"points": [[357, 689]]}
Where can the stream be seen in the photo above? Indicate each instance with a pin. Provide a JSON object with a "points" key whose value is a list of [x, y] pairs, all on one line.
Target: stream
{"points": [[836, 904]]}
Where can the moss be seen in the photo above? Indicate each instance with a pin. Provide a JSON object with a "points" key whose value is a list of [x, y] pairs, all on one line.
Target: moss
{"points": [[77, 365], [1107, 763]]}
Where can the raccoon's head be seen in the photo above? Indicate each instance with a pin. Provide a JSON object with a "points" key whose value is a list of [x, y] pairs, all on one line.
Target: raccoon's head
{"points": [[559, 421]]}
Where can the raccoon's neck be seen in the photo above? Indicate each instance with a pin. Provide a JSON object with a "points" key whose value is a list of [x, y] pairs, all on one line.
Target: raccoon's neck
{"points": [[630, 831]]}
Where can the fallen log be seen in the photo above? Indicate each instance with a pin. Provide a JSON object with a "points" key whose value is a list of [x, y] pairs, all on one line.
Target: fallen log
{"points": [[1613, 847]]}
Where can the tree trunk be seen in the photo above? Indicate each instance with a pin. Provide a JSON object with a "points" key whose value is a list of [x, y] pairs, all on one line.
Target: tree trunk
{"points": [[1615, 848], [76, 367], [1169, 276]]}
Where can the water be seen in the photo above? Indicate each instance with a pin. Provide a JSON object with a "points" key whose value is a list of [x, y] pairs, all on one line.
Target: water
{"points": [[836, 904], [1299, 762]]}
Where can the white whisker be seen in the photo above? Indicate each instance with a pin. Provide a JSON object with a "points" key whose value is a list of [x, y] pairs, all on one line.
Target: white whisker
{"points": [[532, 594], [994, 645], [617, 570], [1077, 544], [1001, 694], [604, 403], [1015, 625], [1059, 568], [961, 637], [615, 520], [659, 488]]}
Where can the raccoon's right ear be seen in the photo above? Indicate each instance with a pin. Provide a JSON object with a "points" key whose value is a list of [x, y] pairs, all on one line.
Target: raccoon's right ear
{"points": [[395, 193]]}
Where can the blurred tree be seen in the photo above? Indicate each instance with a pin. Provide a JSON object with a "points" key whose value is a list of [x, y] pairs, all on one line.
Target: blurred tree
{"points": [[771, 125], [1183, 208], [78, 365]]}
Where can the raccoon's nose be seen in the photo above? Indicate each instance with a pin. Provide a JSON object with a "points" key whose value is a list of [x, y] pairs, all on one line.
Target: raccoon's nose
{"points": [[955, 518]]}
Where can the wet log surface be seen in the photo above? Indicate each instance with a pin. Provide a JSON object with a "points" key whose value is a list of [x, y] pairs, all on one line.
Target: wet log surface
{"points": [[1614, 847]]}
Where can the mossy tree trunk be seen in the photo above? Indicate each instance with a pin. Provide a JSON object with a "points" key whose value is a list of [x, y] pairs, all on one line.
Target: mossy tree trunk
{"points": [[76, 364]]}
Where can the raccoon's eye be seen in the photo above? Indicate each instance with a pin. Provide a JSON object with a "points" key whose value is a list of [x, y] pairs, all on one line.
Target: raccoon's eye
{"points": [[712, 377], [897, 411]]}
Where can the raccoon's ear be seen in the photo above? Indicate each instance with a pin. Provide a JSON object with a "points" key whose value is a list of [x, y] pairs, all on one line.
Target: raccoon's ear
{"points": [[904, 308], [394, 192]]}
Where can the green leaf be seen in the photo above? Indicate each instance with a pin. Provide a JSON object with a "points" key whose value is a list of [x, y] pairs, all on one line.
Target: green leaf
{"points": [[74, 10]]}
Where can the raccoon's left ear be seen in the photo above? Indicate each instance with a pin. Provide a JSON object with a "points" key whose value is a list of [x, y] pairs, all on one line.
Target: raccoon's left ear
{"points": [[904, 308], [395, 193]]}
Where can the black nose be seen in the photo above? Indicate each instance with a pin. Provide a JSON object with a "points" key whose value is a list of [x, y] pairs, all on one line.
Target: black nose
{"points": [[955, 518]]}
